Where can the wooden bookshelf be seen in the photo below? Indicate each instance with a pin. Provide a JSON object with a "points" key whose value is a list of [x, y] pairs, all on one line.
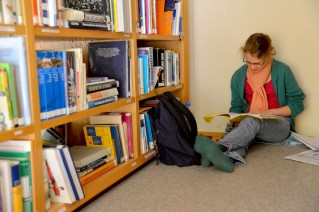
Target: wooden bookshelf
{"points": [[38, 38]]}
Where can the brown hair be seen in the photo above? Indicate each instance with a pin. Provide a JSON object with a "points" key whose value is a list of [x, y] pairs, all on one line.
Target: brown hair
{"points": [[259, 45]]}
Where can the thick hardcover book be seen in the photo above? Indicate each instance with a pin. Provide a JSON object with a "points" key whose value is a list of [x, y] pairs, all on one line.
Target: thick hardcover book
{"points": [[86, 25], [99, 136], [13, 51], [94, 167], [102, 85], [102, 94], [102, 101], [111, 59], [98, 172], [113, 119], [84, 155], [80, 16], [92, 164], [60, 187], [71, 172]]}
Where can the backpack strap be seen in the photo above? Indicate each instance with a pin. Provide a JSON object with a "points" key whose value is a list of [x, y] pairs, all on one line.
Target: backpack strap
{"points": [[184, 117]]}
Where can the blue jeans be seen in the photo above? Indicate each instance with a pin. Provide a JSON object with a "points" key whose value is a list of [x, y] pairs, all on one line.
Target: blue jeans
{"points": [[249, 131]]}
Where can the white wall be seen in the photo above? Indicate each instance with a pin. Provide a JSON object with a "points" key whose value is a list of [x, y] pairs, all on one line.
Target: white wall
{"points": [[218, 28]]}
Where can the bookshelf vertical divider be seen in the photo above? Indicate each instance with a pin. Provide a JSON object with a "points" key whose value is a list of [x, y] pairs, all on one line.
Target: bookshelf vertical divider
{"points": [[39, 38]]}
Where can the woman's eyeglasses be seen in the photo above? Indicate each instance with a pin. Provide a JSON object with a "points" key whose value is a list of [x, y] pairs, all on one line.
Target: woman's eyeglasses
{"points": [[253, 64]]}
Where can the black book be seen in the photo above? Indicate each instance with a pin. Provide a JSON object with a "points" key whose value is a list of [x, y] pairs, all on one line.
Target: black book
{"points": [[111, 59]]}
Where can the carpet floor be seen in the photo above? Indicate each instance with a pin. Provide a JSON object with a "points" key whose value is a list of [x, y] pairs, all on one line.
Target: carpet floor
{"points": [[267, 182]]}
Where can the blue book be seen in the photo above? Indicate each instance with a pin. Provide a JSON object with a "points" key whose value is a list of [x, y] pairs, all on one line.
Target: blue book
{"points": [[42, 94], [149, 134], [117, 143], [145, 73], [111, 59], [62, 96], [102, 101]]}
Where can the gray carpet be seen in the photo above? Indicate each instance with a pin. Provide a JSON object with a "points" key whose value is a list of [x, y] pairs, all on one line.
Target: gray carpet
{"points": [[268, 182]]}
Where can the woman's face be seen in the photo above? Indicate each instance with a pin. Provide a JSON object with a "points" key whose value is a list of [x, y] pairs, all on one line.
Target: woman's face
{"points": [[254, 63]]}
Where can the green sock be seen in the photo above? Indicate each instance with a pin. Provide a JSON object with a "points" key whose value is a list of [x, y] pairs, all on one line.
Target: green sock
{"points": [[211, 151]]}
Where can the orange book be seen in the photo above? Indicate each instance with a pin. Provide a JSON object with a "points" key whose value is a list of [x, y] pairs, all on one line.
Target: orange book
{"points": [[35, 14], [164, 19], [98, 172]]}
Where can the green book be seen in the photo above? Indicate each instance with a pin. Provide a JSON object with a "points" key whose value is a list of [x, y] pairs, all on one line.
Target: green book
{"points": [[19, 150], [8, 68]]}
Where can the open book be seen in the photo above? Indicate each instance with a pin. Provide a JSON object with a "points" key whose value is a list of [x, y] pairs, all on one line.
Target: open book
{"points": [[237, 117]]}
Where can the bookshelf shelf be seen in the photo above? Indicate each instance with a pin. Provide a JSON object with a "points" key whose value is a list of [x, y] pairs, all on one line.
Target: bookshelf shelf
{"points": [[160, 91], [48, 38], [79, 33], [84, 114], [16, 132]]}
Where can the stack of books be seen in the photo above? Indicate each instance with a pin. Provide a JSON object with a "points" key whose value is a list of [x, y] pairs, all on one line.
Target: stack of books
{"points": [[101, 90], [91, 162]]}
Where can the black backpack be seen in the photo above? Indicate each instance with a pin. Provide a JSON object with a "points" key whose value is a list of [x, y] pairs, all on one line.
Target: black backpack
{"points": [[176, 129]]}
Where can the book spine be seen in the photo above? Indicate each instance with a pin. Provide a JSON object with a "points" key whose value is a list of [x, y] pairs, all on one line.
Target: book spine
{"points": [[97, 173], [71, 82], [90, 165], [26, 183], [6, 185], [16, 186], [8, 12], [5, 101], [16, 112], [102, 101], [101, 86], [127, 118], [96, 166], [86, 25], [102, 94], [117, 144]]}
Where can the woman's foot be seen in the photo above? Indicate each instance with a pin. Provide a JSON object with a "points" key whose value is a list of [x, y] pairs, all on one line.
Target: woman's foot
{"points": [[210, 151]]}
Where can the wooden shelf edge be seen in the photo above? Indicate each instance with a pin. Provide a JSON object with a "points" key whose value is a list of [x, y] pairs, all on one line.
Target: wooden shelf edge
{"points": [[105, 181], [158, 37], [84, 114], [16, 132], [12, 29], [79, 33], [159, 91]]}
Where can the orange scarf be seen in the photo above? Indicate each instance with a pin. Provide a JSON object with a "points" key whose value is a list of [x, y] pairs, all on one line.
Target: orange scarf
{"points": [[256, 82]]}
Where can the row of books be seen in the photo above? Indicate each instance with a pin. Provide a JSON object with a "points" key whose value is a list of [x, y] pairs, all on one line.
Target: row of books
{"points": [[157, 67], [64, 87], [160, 17], [15, 176], [11, 12], [147, 134], [14, 88], [112, 130], [61, 78], [110, 15]]}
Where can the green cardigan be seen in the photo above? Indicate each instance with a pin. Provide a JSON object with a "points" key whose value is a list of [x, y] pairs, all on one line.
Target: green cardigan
{"points": [[286, 87]]}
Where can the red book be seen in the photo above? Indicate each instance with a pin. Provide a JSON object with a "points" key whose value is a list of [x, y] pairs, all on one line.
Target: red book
{"points": [[127, 119]]}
